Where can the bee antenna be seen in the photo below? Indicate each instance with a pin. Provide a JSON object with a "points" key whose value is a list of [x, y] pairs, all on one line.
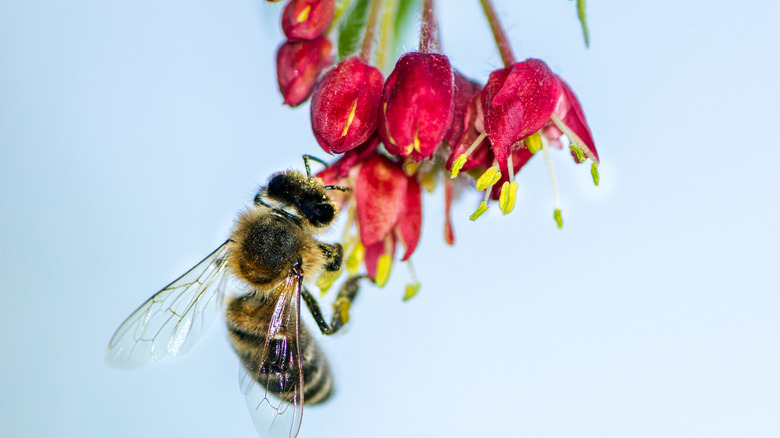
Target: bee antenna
{"points": [[339, 188], [306, 159]]}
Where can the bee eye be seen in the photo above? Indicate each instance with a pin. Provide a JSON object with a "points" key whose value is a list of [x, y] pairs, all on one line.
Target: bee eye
{"points": [[279, 187]]}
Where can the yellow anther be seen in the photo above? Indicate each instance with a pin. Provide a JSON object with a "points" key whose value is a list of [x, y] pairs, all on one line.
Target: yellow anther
{"points": [[356, 258], [558, 218], [383, 268], [459, 162], [490, 177], [342, 306], [411, 290], [594, 172], [483, 207], [326, 280], [411, 167], [506, 200], [304, 14], [533, 142], [428, 181], [578, 151], [350, 118], [416, 141]]}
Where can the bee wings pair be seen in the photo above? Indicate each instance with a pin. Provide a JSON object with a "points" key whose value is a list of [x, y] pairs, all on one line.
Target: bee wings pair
{"points": [[173, 319]]}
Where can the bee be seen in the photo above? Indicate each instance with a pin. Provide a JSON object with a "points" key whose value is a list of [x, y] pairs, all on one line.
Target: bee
{"points": [[272, 253]]}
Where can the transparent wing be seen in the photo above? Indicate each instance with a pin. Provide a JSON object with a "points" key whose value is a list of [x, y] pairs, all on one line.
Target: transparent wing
{"points": [[173, 319], [274, 386]]}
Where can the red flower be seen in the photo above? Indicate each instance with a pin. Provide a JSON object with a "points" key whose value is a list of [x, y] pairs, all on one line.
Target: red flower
{"points": [[298, 65], [344, 106], [465, 89], [417, 105], [518, 101], [307, 19], [389, 207]]}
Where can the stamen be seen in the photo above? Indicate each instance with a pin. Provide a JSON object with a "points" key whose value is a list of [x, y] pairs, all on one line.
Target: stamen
{"points": [[304, 15], [461, 160], [594, 172], [350, 117], [411, 167], [489, 178], [533, 143], [506, 199], [483, 207], [554, 182], [383, 268], [578, 152], [411, 290], [414, 287], [416, 141], [573, 138], [356, 258]]}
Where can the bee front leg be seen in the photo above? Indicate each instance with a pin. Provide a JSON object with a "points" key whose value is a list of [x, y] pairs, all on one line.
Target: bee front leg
{"points": [[334, 254], [341, 305]]}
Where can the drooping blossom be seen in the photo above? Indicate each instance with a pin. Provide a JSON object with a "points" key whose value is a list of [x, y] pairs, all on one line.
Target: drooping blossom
{"points": [[344, 105], [307, 19], [298, 65], [417, 105], [389, 208]]}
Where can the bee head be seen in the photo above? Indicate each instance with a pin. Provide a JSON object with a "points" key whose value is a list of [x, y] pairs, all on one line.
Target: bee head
{"points": [[307, 195]]}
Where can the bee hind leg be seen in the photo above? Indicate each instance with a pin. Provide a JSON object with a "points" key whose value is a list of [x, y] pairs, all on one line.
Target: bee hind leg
{"points": [[341, 305]]}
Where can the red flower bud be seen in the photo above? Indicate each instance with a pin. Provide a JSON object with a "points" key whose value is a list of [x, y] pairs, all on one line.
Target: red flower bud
{"points": [[298, 65], [307, 19], [344, 106], [518, 100], [417, 105]]}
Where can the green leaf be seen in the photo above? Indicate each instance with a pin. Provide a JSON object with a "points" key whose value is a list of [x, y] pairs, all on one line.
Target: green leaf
{"points": [[351, 28]]}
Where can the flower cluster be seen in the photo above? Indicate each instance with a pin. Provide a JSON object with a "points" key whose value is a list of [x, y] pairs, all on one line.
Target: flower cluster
{"points": [[395, 134]]}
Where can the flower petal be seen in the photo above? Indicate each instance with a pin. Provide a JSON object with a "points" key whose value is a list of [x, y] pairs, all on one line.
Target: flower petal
{"points": [[379, 198]]}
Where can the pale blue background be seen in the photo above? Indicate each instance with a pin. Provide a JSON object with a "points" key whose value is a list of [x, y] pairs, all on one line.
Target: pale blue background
{"points": [[131, 132]]}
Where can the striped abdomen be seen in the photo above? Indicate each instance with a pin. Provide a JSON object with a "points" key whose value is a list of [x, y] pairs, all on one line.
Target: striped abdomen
{"points": [[248, 319]]}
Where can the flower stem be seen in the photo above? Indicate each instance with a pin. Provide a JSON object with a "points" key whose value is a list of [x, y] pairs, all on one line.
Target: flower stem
{"points": [[504, 48], [368, 37], [429, 31]]}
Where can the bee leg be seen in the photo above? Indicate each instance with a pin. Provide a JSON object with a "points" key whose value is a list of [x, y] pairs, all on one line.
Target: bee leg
{"points": [[341, 306], [334, 254]]}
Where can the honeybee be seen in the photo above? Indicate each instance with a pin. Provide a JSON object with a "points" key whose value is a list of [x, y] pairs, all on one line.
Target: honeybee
{"points": [[272, 252]]}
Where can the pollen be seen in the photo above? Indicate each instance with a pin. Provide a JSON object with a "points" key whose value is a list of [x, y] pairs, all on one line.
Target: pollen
{"points": [[594, 172], [483, 207], [356, 258], [383, 268], [506, 200], [342, 306], [578, 152], [411, 290], [533, 142], [490, 177], [326, 280], [350, 118], [304, 14], [558, 218], [459, 162]]}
